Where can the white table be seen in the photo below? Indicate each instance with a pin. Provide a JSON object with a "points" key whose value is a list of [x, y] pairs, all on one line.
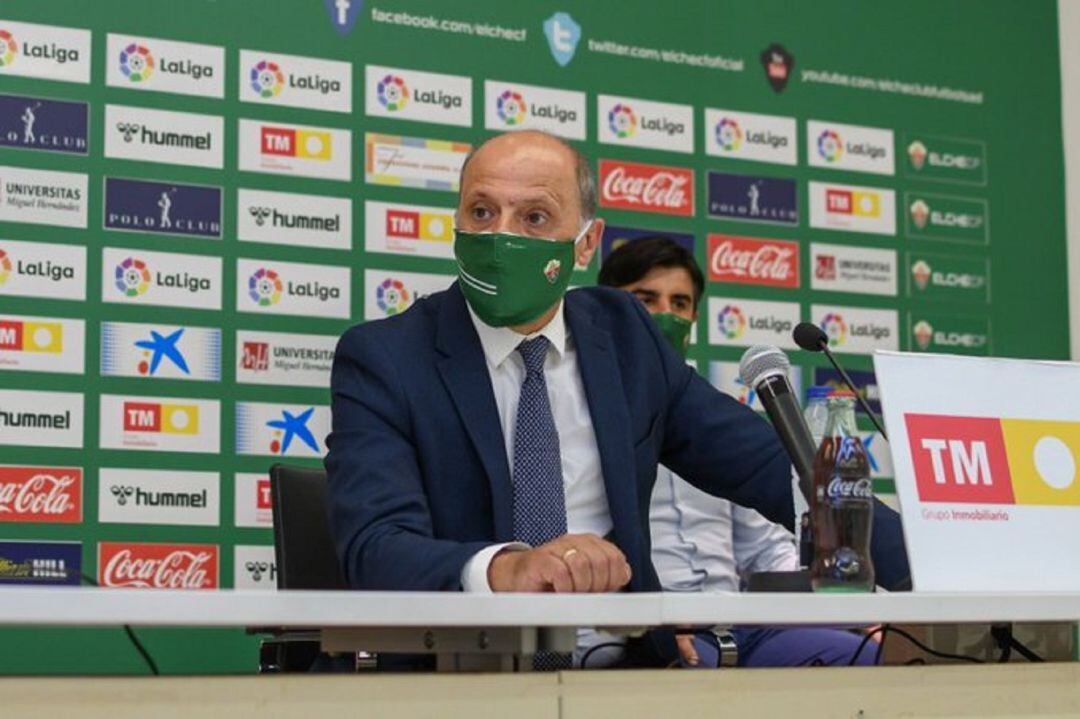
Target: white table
{"points": [[97, 607], [500, 631]]}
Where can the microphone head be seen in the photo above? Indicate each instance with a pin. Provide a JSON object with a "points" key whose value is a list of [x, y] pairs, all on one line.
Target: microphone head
{"points": [[809, 336], [760, 362]]}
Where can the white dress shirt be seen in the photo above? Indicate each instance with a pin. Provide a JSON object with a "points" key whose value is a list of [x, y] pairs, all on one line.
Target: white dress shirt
{"points": [[702, 543], [586, 499]]}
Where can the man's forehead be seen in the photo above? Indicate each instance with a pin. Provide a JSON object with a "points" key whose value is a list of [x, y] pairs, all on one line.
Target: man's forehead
{"points": [[526, 157]]}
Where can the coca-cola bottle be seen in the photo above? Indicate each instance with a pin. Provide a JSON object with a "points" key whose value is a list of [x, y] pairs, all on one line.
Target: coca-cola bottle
{"points": [[842, 505]]}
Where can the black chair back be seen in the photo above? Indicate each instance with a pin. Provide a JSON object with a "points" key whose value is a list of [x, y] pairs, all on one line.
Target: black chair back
{"points": [[303, 547]]}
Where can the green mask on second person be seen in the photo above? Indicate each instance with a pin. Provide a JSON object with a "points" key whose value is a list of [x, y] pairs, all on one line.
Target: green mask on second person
{"points": [[513, 279], [676, 329]]}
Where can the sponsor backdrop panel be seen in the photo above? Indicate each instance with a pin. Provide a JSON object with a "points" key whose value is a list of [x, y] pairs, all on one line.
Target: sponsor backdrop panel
{"points": [[193, 207]]}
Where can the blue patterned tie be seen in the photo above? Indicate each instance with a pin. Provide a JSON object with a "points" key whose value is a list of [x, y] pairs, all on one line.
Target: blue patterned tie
{"points": [[539, 500]]}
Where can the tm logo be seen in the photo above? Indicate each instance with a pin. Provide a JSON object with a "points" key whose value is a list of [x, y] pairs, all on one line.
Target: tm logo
{"points": [[563, 35], [343, 14]]}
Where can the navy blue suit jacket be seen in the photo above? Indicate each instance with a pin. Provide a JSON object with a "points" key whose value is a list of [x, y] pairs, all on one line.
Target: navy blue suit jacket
{"points": [[418, 472]]}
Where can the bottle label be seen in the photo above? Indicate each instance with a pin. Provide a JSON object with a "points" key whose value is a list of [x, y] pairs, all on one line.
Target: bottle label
{"points": [[840, 488]]}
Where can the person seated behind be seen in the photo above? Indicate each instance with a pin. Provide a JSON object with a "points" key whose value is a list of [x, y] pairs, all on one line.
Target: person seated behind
{"points": [[702, 543]]}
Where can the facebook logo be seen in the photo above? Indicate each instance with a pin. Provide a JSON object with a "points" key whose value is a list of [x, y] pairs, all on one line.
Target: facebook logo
{"points": [[343, 14]]}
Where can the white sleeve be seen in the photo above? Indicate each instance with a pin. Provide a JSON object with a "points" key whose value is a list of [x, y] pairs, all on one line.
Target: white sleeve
{"points": [[760, 545], [474, 575]]}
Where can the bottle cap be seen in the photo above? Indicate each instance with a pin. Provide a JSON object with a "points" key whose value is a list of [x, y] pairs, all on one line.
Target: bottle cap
{"points": [[818, 392]]}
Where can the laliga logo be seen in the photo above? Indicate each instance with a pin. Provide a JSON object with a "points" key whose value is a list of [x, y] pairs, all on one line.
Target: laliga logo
{"points": [[920, 271], [5, 267], [622, 121], [834, 326], [732, 322], [728, 134], [264, 287], [920, 213], [830, 146], [8, 48], [267, 79], [511, 108], [917, 154], [136, 62], [392, 297], [393, 93], [924, 332], [132, 277]]}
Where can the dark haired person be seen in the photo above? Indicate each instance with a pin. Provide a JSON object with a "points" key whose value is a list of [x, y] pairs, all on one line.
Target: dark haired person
{"points": [[701, 543]]}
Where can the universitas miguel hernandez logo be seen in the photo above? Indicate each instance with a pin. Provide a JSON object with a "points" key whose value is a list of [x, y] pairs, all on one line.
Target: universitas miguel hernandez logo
{"points": [[267, 79], [511, 108], [265, 287], [132, 277], [778, 64], [137, 62], [393, 92], [732, 322]]}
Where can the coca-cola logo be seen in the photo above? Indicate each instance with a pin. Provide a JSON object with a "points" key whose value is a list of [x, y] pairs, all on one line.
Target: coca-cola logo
{"points": [[158, 566], [747, 260], [647, 188], [40, 494], [840, 488]]}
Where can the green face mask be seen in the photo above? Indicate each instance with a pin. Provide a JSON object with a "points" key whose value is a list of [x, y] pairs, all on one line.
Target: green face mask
{"points": [[676, 329], [512, 279]]}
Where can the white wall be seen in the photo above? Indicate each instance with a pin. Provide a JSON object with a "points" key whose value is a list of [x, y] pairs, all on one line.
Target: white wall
{"points": [[1069, 34]]}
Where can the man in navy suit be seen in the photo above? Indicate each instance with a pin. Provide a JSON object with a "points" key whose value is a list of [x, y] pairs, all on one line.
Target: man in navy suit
{"points": [[504, 434]]}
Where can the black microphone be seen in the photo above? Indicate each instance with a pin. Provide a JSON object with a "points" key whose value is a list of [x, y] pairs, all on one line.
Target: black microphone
{"points": [[813, 339], [765, 369]]}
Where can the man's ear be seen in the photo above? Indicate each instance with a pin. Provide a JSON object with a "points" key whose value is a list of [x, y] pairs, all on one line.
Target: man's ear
{"points": [[588, 244]]}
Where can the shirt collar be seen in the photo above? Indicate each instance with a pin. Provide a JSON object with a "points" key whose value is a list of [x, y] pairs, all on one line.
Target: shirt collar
{"points": [[501, 342]]}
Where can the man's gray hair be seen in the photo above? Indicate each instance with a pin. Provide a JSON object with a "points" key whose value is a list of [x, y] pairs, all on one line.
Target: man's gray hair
{"points": [[586, 181]]}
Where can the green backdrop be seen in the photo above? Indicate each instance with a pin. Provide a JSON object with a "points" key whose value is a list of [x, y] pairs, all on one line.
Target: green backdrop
{"points": [[1005, 50]]}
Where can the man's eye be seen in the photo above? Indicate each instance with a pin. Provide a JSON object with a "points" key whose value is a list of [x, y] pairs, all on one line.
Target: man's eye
{"points": [[536, 218], [481, 213]]}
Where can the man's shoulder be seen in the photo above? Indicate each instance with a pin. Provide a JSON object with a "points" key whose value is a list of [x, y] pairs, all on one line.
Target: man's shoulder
{"points": [[611, 309], [412, 328], [604, 302]]}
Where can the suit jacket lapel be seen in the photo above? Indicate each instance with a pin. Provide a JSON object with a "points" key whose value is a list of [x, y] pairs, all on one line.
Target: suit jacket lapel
{"points": [[465, 374], [610, 418]]}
